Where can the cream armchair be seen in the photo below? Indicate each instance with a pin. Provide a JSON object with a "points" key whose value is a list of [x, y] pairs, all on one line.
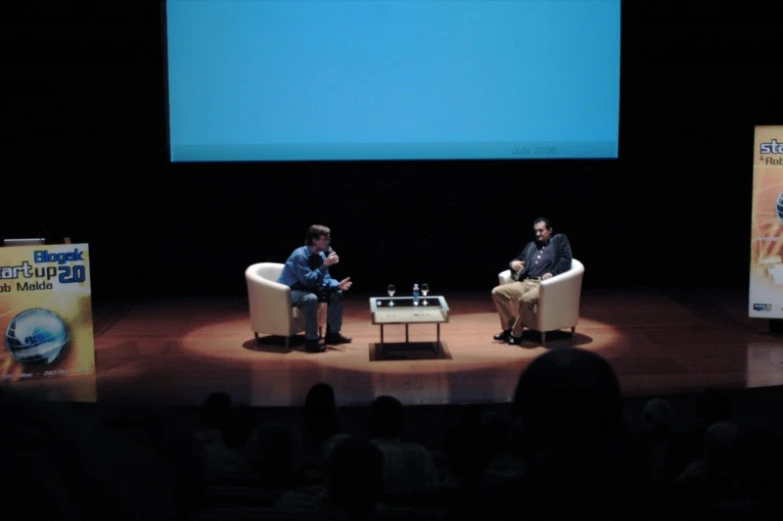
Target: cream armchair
{"points": [[558, 300], [271, 311]]}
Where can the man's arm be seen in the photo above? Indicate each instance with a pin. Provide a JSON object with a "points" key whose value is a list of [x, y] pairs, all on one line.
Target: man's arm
{"points": [[563, 256], [310, 278], [522, 257], [328, 281]]}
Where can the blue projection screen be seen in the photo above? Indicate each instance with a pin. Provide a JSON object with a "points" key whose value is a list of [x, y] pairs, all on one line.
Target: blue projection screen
{"points": [[298, 80]]}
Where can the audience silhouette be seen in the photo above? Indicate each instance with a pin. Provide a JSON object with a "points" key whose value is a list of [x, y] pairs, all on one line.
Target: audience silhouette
{"points": [[566, 447]]}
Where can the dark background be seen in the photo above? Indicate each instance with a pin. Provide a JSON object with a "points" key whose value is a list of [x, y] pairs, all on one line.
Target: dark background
{"points": [[84, 155]]}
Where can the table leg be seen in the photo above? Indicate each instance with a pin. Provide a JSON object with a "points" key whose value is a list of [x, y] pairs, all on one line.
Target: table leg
{"points": [[381, 336], [437, 344], [406, 333]]}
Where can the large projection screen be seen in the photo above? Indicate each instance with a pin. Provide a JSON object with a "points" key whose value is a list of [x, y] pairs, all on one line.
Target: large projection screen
{"points": [[321, 80]]}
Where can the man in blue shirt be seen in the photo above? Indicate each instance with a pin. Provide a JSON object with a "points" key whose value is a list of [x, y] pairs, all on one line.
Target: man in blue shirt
{"points": [[306, 272], [542, 259]]}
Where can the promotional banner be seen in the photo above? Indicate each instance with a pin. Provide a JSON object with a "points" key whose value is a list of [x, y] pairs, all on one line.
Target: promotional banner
{"points": [[45, 312], [766, 246]]}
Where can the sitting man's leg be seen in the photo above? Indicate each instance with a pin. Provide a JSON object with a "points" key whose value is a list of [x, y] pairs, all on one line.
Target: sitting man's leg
{"points": [[506, 298], [334, 318], [527, 306], [308, 304]]}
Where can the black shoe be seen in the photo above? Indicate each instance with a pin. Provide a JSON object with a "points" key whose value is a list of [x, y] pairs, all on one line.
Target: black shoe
{"points": [[337, 338], [503, 335], [514, 340], [314, 346]]}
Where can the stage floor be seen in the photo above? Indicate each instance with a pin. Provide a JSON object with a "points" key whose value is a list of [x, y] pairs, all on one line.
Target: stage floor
{"points": [[177, 351]]}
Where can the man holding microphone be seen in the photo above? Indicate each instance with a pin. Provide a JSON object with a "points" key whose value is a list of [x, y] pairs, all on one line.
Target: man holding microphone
{"points": [[306, 272]]}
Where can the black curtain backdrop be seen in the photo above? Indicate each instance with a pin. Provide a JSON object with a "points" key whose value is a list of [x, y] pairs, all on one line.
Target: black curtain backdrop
{"points": [[84, 156]]}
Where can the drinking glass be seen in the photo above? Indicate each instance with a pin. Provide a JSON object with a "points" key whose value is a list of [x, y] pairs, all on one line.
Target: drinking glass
{"points": [[391, 290], [425, 288]]}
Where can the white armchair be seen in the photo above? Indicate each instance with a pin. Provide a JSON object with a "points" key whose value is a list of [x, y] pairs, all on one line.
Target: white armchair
{"points": [[558, 300], [271, 311]]}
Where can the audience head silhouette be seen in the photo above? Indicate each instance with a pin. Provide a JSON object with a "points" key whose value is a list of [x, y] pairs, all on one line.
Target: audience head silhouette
{"points": [[569, 394], [713, 405], [238, 427], [216, 410], [320, 398], [657, 415], [354, 476], [385, 420]]}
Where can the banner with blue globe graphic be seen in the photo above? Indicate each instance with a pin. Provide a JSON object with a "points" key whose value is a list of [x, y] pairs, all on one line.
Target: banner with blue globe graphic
{"points": [[45, 312], [766, 246]]}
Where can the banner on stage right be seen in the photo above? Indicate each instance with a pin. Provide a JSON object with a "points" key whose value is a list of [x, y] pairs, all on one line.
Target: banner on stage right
{"points": [[766, 239]]}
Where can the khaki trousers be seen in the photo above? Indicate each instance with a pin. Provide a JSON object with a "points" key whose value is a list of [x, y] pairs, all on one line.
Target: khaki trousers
{"points": [[516, 304]]}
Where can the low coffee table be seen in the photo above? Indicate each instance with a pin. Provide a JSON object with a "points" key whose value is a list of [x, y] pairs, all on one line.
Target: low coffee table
{"points": [[435, 311]]}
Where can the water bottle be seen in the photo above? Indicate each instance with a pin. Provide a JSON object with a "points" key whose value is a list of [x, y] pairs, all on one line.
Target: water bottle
{"points": [[415, 294]]}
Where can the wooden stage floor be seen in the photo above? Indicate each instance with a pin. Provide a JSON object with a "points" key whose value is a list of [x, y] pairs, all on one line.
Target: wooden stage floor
{"points": [[177, 351]]}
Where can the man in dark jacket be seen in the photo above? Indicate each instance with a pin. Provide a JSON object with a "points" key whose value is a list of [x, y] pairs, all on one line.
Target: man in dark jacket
{"points": [[542, 259]]}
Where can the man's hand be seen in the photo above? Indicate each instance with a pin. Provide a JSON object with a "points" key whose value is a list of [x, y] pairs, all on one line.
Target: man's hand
{"points": [[345, 284], [332, 259], [517, 265], [546, 276]]}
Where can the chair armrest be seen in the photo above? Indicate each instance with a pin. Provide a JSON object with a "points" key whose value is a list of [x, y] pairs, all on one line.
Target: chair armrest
{"points": [[504, 277], [254, 277], [563, 288]]}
